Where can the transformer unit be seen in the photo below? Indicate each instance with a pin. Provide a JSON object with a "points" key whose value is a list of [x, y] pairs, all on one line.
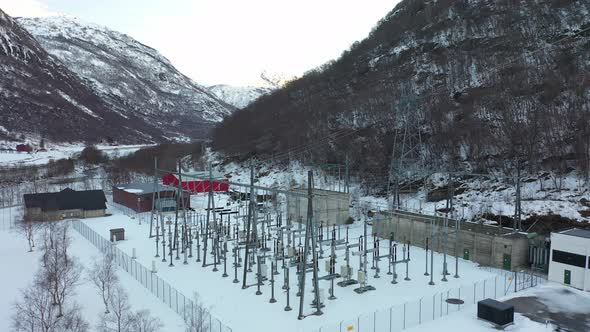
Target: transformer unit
{"points": [[498, 313], [346, 271]]}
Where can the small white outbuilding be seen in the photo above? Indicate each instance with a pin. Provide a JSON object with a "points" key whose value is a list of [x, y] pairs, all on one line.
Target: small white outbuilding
{"points": [[569, 262]]}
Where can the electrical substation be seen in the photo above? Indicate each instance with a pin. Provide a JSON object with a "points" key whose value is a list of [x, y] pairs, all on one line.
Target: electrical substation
{"points": [[309, 251]]}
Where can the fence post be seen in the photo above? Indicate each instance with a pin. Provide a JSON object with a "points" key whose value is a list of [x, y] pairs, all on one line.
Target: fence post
{"points": [[441, 311], [495, 287], [420, 311], [433, 305], [390, 319], [405, 315], [139, 272], [374, 321]]}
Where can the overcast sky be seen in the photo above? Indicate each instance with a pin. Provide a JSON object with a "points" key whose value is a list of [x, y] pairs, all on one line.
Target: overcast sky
{"points": [[228, 41]]}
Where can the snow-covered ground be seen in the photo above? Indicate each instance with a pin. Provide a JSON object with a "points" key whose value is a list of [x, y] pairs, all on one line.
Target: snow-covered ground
{"points": [[19, 267], [563, 305], [414, 299], [59, 152], [227, 300], [542, 194], [467, 321]]}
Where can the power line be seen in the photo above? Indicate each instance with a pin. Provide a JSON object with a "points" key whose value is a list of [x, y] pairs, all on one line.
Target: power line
{"points": [[344, 132]]}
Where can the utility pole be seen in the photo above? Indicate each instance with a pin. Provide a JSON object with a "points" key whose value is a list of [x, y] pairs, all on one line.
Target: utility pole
{"points": [[517, 225], [154, 206], [248, 226], [209, 211], [309, 235], [347, 174], [406, 157], [457, 235], [178, 202]]}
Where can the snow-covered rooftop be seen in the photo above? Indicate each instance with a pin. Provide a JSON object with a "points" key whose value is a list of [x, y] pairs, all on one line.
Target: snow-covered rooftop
{"points": [[143, 188]]}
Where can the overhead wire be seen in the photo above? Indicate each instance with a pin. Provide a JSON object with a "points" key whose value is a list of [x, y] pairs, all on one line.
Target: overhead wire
{"points": [[348, 131], [301, 149]]}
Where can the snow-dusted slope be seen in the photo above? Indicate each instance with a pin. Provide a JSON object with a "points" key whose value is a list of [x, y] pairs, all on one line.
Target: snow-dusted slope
{"points": [[129, 74], [238, 96], [485, 80], [39, 95]]}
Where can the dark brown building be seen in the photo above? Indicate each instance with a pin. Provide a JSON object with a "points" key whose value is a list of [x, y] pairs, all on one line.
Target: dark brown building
{"points": [[67, 203], [139, 196]]}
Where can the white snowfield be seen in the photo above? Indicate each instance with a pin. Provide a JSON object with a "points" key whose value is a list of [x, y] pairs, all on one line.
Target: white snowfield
{"points": [[19, 267], [60, 152], [227, 301], [242, 310]]}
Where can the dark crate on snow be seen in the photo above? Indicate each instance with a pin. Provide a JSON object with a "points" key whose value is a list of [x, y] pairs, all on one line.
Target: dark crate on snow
{"points": [[499, 313], [117, 234]]}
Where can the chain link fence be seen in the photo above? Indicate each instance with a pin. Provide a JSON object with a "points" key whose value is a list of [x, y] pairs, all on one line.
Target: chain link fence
{"points": [[9, 215], [395, 318], [429, 308], [184, 306]]}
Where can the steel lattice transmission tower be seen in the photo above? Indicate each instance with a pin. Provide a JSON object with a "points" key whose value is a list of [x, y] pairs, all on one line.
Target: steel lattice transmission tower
{"points": [[407, 158]]}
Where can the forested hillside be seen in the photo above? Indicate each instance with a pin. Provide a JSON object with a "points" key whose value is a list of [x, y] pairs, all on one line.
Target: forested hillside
{"points": [[486, 81]]}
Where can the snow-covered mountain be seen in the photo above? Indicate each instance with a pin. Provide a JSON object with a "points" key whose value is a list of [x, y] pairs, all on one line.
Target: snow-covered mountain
{"points": [[242, 96], [136, 80], [39, 95], [275, 80], [238, 96]]}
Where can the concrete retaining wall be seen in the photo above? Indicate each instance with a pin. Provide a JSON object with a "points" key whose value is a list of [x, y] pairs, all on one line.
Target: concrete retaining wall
{"points": [[486, 245]]}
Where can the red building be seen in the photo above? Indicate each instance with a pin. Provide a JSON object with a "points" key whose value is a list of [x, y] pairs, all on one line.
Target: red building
{"points": [[197, 186], [24, 148], [139, 196]]}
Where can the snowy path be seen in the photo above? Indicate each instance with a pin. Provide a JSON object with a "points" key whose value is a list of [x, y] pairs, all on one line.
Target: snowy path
{"points": [[59, 152]]}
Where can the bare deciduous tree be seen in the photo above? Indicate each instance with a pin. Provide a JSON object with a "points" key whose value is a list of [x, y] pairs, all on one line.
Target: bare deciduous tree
{"points": [[73, 321], [60, 272], [142, 321], [104, 276], [27, 228], [197, 317], [36, 312], [120, 318]]}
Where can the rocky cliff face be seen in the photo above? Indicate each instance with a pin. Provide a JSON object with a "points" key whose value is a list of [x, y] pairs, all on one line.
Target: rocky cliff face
{"points": [[484, 81], [38, 94], [119, 87]]}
